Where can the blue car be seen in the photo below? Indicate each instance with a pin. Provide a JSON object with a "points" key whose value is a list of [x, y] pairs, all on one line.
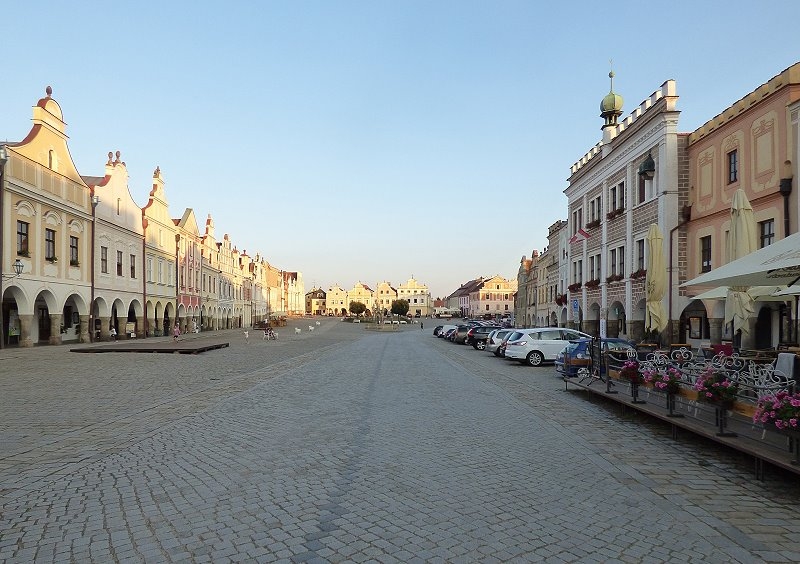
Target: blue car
{"points": [[576, 354]]}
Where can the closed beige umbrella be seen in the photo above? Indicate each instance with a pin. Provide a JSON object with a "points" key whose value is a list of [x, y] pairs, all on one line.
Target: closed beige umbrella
{"points": [[742, 240], [656, 281]]}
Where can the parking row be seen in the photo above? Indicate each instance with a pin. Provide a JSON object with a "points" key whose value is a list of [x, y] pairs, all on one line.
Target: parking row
{"points": [[532, 346]]}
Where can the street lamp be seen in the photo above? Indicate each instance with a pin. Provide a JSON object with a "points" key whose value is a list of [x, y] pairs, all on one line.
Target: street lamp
{"points": [[647, 169], [95, 200]]}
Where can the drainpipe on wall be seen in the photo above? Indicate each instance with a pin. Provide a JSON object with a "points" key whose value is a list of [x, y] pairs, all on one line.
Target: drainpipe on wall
{"points": [[686, 215], [786, 191]]}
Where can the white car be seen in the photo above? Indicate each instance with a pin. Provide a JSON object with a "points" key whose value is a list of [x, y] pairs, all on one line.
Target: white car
{"points": [[540, 344]]}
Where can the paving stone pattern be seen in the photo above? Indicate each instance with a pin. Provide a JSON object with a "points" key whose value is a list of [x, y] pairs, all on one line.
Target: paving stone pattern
{"points": [[345, 445]]}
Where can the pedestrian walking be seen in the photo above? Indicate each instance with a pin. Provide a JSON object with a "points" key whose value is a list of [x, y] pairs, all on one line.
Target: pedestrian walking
{"points": [[113, 333], [421, 326], [176, 333], [246, 336]]}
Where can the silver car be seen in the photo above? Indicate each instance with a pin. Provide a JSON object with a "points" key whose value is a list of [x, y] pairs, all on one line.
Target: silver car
{"points": [[494, 340]]}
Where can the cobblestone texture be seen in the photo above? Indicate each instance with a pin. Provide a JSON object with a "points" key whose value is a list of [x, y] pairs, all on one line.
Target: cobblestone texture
{"points": [[344, 445]]}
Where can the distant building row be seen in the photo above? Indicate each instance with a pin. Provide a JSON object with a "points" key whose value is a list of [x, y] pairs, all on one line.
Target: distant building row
{"points": [[336, 301], [482, 297], [94, 260]]}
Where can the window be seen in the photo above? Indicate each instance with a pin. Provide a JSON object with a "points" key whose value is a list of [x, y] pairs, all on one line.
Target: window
{"points": [[705, 254], [119, 263], [73, 251], [766, 230], [640, 254], [22, 238], [487, 307], [733, 166], [133, 266], [642, 195], [578, 271], [160, 271], [104, 260], [49, 244], [612, 199], [613, 260], [577, 220], [621, 259], [149, 269], [621, 196]]}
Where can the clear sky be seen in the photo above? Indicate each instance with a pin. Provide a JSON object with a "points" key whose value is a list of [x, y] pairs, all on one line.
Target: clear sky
{"points": [[373, 140]]}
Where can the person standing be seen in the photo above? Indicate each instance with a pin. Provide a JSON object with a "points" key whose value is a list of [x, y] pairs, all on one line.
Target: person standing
{"points": [[113, 333], [421, 326], [176, 333]]}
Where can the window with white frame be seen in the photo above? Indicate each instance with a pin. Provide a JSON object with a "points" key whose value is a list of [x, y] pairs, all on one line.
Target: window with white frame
{"points": [[640, 254], [577, 220]]}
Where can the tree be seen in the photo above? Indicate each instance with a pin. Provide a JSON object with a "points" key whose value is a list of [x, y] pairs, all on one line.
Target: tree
{"points": [[357, 308], [400, 307]]}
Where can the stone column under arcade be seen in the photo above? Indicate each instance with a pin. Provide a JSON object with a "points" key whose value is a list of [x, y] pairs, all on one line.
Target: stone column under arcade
{"points": [[105, 328], [25, 324], [55, 329], [83, 329], [715, 330]]}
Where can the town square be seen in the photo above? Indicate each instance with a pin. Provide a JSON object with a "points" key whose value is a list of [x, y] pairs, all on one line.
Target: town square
{"points": [[410, 281], [345, 444]]}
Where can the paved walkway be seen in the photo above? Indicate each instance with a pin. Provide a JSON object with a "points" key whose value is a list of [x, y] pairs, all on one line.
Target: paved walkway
{"points": [[349, 445]]}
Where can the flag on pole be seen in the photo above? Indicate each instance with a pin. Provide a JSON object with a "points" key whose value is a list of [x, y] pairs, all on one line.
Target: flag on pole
{"points": [[580, 235]]}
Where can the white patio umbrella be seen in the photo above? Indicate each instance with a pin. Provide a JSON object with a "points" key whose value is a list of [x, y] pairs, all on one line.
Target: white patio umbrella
{"points": [[742, 241], [656, 281], [778, 264], [758, 293]]}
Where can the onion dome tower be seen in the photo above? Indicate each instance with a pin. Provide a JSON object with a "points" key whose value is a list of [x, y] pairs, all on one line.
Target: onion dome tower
{"points": [[611, 106]]}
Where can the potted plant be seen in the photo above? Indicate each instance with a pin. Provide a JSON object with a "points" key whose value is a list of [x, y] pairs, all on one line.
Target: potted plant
{"points": [[781, 410], [720, 391], [630, 372], [51, 259], [592, 224], [593, 283], [716, 389], [668, 382], [641, 273], [574, 287]]}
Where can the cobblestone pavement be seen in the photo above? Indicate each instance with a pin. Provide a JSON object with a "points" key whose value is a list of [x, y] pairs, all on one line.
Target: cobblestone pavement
{"points": [[350, 445]]}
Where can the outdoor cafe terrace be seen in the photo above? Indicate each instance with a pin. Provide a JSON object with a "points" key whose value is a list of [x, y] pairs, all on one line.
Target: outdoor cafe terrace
{"points": [[745, 400]]}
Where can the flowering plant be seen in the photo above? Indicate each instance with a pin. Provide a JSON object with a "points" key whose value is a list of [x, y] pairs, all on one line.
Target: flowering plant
{"points": [[716, 388], [668, 382], [630, 371], [782, 410]]}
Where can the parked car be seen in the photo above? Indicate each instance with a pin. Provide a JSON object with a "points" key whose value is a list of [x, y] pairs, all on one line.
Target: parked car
{"points": [[461, 334], [537, 345], [477, 336], [450, 333], [495, 339], [578, 354], [436, 330], [443, 331], [501, 350]]}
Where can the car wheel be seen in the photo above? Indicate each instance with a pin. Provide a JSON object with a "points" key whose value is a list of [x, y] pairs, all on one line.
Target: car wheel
{"points": [[480, 345], [535, 358]]}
